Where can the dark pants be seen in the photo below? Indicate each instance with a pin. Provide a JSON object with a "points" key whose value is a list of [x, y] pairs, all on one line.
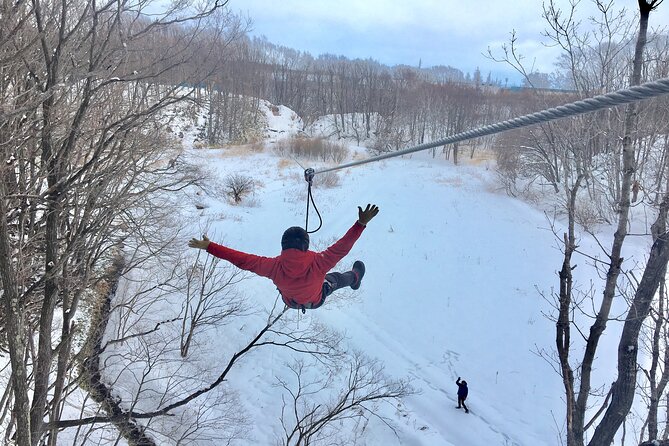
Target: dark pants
{"points": [[333, 281], [461, 402]]}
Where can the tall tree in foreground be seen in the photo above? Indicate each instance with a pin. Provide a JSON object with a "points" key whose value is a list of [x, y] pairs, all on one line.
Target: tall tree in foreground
{"points": [[82, 146], [598, 155], [624, 386], [622, 391]]}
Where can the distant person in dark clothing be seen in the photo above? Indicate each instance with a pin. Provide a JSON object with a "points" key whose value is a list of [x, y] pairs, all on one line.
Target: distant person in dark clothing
{"points": [[462, 394]]}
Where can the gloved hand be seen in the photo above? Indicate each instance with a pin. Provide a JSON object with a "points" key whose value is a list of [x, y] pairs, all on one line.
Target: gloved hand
{"points": [[365, 216], [199, 244]]}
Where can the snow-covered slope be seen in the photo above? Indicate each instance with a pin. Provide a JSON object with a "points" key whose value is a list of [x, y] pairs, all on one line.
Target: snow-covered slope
{"points": [[449, 291], [456, 278]]}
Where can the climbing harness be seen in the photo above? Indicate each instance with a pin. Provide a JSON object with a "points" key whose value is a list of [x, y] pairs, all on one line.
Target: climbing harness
{"points": [[291, 303]]}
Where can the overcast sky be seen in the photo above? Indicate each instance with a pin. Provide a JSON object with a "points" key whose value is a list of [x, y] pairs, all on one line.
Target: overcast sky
{"points": [[433, 32]]}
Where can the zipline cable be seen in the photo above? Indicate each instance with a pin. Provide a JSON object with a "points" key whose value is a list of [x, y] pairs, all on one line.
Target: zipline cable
{"points": [[625, 96]]}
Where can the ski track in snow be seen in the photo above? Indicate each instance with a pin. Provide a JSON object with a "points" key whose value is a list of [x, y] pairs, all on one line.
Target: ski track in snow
{"points": [[428, 373]]}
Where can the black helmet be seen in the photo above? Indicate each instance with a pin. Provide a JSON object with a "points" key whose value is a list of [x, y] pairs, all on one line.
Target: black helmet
{"points": [[296, 238]]}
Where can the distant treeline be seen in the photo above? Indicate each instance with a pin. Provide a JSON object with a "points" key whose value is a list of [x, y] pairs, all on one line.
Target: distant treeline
{"points": [[387, 107]]}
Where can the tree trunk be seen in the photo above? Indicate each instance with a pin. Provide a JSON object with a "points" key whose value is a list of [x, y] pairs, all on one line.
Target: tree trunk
{"points": [[657, 386], [625, 384], [16, 331], [42, 366], [563, 325]]}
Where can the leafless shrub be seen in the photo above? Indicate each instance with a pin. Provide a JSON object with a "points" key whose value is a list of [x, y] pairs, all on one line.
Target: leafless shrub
{"points": [[338, 152], [508, 168], [588, 214], [237, 186], [354, 396], [391, 140]]}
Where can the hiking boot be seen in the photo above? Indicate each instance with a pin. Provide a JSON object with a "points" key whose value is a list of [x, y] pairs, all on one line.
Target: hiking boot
{"points": [[359, 271]]}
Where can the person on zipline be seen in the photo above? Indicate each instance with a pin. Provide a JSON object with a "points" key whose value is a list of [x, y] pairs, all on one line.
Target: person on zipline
{"points": [[302, 276]]}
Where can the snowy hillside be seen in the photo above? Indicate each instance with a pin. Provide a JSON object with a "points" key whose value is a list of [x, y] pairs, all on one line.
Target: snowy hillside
{"points": [[450, 291], [456, 271]]}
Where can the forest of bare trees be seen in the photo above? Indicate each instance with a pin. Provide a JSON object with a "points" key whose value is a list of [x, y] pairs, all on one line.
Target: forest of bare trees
{"points": [[90, 91], [603, 166]]}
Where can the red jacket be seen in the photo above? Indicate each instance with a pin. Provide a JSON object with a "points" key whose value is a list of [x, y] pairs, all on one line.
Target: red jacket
{"points": [[299, 275]]}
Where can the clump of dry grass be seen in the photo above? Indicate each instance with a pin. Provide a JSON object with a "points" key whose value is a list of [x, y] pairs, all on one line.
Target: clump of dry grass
{"points": [[257, 146], [284, 163], [312, 149], [327, 180]]}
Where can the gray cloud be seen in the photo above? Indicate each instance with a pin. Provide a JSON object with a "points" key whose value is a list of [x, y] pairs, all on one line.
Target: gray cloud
{"points": [[436, 32]]}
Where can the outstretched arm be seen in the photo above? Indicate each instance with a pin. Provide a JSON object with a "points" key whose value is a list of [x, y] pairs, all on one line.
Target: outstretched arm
{"points": [[263, 266], [341, 247]]}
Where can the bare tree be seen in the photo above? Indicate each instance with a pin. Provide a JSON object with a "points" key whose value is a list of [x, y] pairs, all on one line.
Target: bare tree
{"points": [[624, 386], [306, 419], [134, 363], [592, 69], [82, 148], [211, 297]]}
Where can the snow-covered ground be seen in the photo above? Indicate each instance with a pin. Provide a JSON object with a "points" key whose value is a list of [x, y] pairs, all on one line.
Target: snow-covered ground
{"points": [[456, 271], [449, 291]]}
